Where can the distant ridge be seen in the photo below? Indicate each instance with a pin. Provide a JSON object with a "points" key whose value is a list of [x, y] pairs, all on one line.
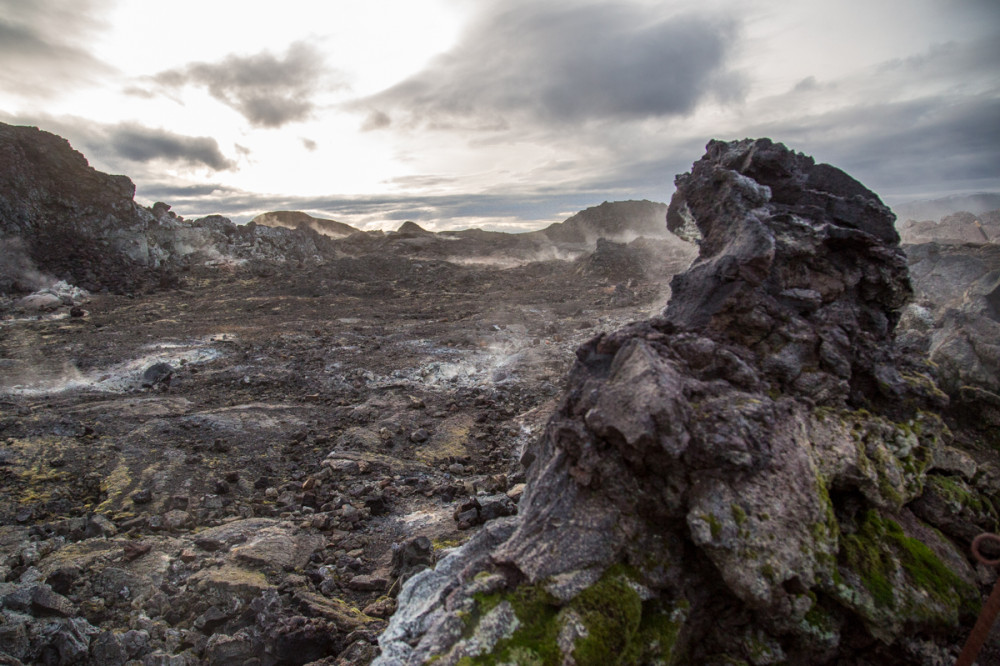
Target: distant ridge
{"points": [[294, 219], [618, 221], [935, 209]]}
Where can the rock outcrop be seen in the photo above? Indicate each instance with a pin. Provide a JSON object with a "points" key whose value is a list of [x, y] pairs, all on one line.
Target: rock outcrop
{"points": [[62, 219], [736, 480], [74, 221]]}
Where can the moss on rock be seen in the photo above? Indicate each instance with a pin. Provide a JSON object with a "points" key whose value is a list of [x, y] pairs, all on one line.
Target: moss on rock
{"points": [[611, 625], [905, 579]]}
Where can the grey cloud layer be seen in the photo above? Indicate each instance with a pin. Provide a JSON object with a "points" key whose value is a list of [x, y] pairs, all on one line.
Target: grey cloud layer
{"points": [[561, 63], [144, 144], [910, 144], [908, 149], [269, 91], [43, 45]]}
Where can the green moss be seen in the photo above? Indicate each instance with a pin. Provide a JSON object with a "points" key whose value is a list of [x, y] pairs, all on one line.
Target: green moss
{"points": [[535, 639], [761, 649], [863, 553], [818, 621], [524, 657], [611, 611], [618, 627], [877, 551], [441, 544], [739, 515], [819, 618], [927, 571], [825, 532], [958, 492], [713, 524], [658, 638], [115, 486]]}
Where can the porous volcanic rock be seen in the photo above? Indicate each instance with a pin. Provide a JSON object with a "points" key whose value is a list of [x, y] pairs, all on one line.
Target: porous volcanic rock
{"points": [[730, 482]]}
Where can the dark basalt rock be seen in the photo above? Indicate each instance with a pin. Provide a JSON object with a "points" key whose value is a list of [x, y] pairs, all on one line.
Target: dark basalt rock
{"points": [[799, 264], [730, 482], [77, 223]]}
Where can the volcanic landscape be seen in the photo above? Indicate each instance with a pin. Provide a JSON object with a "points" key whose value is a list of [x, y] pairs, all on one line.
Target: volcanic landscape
{"points": [[237, 449]]}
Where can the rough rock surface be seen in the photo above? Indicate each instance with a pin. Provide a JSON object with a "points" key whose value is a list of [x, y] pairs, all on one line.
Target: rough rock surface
{"points": [[735, 481], [79, 223]]}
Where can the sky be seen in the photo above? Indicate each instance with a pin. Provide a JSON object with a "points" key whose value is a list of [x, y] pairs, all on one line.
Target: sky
{"points": [[501, 114]]}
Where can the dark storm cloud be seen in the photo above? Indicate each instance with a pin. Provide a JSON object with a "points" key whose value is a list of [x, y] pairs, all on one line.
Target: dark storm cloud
{"points": [[43, 45], [268, 90], [145, 144], [903, 149], [565, 63]]}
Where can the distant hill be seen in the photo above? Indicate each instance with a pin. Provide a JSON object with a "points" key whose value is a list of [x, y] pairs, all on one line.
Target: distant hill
{"points": [[935, 209], [621, 221], [961, 227], [412, 228], [293, 219]]}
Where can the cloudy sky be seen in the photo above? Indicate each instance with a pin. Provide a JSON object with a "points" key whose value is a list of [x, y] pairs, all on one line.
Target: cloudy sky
{"points": [[506, 114]]}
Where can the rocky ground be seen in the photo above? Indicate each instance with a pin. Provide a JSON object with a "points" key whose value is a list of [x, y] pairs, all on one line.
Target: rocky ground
{"points": [[223, 471]]}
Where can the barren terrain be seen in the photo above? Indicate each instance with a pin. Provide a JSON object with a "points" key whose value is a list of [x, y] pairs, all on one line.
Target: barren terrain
{"points": [[350, 406]]}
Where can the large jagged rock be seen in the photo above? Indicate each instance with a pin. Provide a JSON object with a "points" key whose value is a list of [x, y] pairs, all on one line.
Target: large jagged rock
{"points": [[731, 482]]}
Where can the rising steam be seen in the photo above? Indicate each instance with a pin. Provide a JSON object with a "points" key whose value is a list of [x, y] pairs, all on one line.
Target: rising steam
{"points": [[18, 273]]}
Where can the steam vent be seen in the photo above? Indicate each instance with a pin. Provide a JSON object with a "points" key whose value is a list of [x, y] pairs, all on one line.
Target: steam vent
{"points": [[741, 480]]}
